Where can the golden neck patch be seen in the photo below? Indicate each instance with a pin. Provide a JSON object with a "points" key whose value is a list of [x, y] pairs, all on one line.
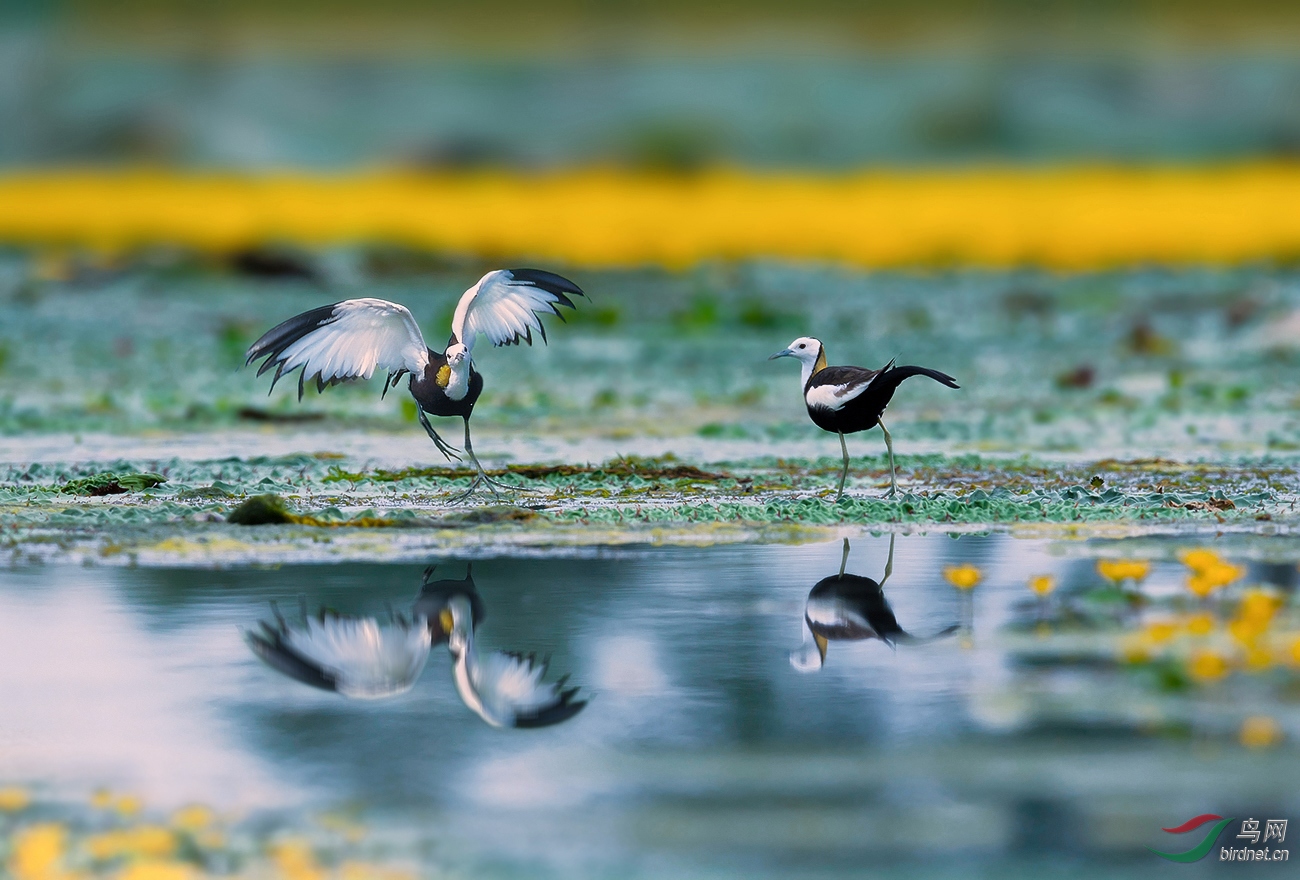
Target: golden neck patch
{"points": [[821, 362], [444, 376]]}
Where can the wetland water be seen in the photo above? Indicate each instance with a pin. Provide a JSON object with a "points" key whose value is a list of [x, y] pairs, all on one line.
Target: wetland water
{"points": [[1023, 742]]}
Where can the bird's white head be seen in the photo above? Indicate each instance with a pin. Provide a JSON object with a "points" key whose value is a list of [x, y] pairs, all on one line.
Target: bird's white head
{"points": [[805, 349], [456, 355], [808, 351]]}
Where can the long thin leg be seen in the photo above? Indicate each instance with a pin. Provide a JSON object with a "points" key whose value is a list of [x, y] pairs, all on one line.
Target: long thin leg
{"points": [[844, 560], [844, 474], [889, 445], [443, 446], [482, 479], [889, 565]]}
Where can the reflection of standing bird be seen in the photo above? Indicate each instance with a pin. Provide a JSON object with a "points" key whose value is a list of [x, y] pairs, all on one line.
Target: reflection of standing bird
{"points": [[355, 656], [847, 608], [505, 689], [845, 400], [354, 338]]}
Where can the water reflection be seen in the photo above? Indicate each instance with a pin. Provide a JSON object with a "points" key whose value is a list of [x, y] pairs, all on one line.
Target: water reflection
{"points": [[849, 608], [355, 656], [364, 658]]}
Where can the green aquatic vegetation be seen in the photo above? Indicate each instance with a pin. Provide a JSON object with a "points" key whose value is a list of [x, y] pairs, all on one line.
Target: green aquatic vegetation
{"points": [[113, 484]]}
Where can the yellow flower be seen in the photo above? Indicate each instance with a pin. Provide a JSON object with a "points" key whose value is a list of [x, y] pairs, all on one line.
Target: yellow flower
{"points": [[101, 799], [1118, 570], [38, 852], [194, 817], [963, 577], [1160, 631], [145, 841], [1258, 659], [1206, 580], [128, 805], [1199, 559], [1042, 584], [13, 799], [1295, 652], [296, 861], [1259, 606], [156, 870], [1260, 731], [1200, 624], [1207, 666]]}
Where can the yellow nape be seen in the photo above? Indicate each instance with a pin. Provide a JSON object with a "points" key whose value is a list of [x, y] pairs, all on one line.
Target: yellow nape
{"points": [[443, 379]]}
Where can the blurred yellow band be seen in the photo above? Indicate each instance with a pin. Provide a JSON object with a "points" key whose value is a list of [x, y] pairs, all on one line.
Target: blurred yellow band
{"points": [[1068, 218]]}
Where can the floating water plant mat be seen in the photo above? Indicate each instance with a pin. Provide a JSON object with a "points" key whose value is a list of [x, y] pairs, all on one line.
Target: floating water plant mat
{"points": [[321, 506]]}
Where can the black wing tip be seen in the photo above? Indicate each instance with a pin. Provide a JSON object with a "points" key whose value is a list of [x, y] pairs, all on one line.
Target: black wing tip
{"points": [[559, 712], [288, 662], [548, 281]]}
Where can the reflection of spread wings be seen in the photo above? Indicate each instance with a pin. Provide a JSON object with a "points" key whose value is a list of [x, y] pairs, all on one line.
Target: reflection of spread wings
{"points": [[506, 306], [348, 340], [503, 688], [355, 656], [507, 690]]}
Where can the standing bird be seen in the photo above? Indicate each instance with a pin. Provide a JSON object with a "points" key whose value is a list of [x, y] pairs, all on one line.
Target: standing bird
{"points": [[845, 400], [353, 338]]}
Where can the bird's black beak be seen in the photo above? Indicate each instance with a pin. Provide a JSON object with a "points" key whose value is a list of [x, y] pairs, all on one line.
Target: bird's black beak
{"points": [[783, 353]]}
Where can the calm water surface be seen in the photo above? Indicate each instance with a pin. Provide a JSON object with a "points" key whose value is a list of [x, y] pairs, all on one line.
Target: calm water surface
{"points": [[703, 750]]}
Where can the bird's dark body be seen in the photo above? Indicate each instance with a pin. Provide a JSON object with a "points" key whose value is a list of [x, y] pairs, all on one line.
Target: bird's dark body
{"points": [[864, 411], [868, 615], [433, 399], [436, 595]]}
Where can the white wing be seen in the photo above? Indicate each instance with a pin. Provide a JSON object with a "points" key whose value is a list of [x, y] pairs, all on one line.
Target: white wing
{"points": [[347, 340], [356, 656], [507, 690], [506, 306], [834, 397]]}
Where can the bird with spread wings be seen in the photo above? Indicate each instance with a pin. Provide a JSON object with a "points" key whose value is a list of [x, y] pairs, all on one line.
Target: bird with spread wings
{"points": [[357, 337]]}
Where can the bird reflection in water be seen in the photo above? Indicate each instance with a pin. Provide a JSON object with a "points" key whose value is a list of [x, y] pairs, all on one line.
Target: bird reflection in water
{"points": [[849, 608], [362, 658]]}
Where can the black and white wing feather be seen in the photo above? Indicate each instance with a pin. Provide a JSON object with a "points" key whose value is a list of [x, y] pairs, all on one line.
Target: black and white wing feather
{"points": [[508, 690], [355, 656], [506, 306], [346, 340], [833, 388]]}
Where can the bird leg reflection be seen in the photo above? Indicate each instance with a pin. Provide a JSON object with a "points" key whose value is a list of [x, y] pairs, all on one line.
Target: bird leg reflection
{"points": [[889, 564]]}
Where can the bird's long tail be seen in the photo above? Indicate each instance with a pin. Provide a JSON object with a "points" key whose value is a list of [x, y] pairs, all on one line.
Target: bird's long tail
{"points": [[891, 378], [909, 639]]}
